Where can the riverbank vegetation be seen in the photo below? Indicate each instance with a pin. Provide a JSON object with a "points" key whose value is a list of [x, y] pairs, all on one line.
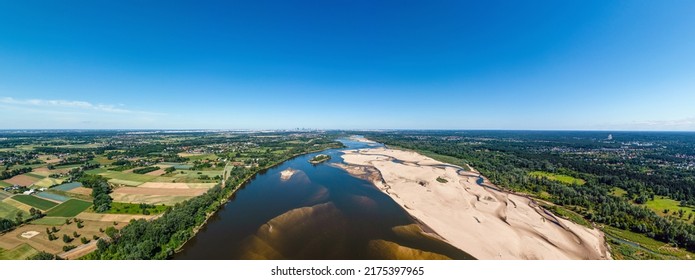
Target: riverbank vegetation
{"points": [[319, 159]]}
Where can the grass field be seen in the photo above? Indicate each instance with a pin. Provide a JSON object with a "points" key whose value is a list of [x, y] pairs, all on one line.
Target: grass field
{"points": [[188, 176], [618, 192], [103, 160], [149, 199], [660, 203], [21, 252], [629, 245], [47, 182], [35, 201], [127, 176], [49, 221], [37, 176], [133, 209], [5, 184], [178, 165], [52, 196], [68, 186], [69, 208], [125, 182], [8, 211], [4, 194], [558, 177], [96, 171], [194, 157]]}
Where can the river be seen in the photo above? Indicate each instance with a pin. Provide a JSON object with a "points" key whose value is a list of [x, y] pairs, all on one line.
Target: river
{"points": [[320, 212]]}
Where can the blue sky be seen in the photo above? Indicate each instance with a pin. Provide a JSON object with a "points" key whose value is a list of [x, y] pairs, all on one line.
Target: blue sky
{"points": [[347, 64]]}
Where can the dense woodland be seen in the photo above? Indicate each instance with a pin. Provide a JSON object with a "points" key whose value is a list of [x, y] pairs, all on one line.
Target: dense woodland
{"points": [[642, 164]]}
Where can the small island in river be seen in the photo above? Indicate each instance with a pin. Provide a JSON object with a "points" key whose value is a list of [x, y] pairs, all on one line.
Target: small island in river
{"points": [[319, 159]]}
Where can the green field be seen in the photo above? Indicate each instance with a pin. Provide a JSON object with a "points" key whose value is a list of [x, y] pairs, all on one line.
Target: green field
{"points": [[4, 194], [69, 208], [558, 177], [5, 184], [47, 182], [34, 201], [8, 211], [194, 157], [127, 176], [37, 176], [618, 192], [134, 209], [21, 252], [660, 203], [629, 245], [49, 221], [96, 171]]}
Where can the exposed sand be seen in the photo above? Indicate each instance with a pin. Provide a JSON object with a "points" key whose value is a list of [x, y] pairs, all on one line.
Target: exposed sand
{"points": [[29, 234], [482, 221], [287, 174]]}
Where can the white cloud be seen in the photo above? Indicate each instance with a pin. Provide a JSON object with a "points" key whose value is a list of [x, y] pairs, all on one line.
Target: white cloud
{"points": [[67, 104]]}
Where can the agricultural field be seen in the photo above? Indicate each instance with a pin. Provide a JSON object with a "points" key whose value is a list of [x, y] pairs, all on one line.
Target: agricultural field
{"points": [[8, 211], [127, 176], [49, 221], [34, 201], [48, 182], [81, 191], [70, 208], [17, 204], [72, 156], [558, 177], [194, 157], [40, 242], [135, 209], [52, 196], [22, 180], [107, 217], [21, 252], [68, 186], [4, 194], [37, 176], [168, 200], [189, 176]]}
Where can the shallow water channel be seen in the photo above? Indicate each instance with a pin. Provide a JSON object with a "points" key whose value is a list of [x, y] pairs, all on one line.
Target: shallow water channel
{"points": [[320, 212]]}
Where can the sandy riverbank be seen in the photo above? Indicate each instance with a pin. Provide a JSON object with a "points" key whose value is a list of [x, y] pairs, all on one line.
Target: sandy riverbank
{"points": [[482, 221]]}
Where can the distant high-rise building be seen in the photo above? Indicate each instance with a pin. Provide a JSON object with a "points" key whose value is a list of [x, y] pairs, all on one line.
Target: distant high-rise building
{"points": [[610, 137]]}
